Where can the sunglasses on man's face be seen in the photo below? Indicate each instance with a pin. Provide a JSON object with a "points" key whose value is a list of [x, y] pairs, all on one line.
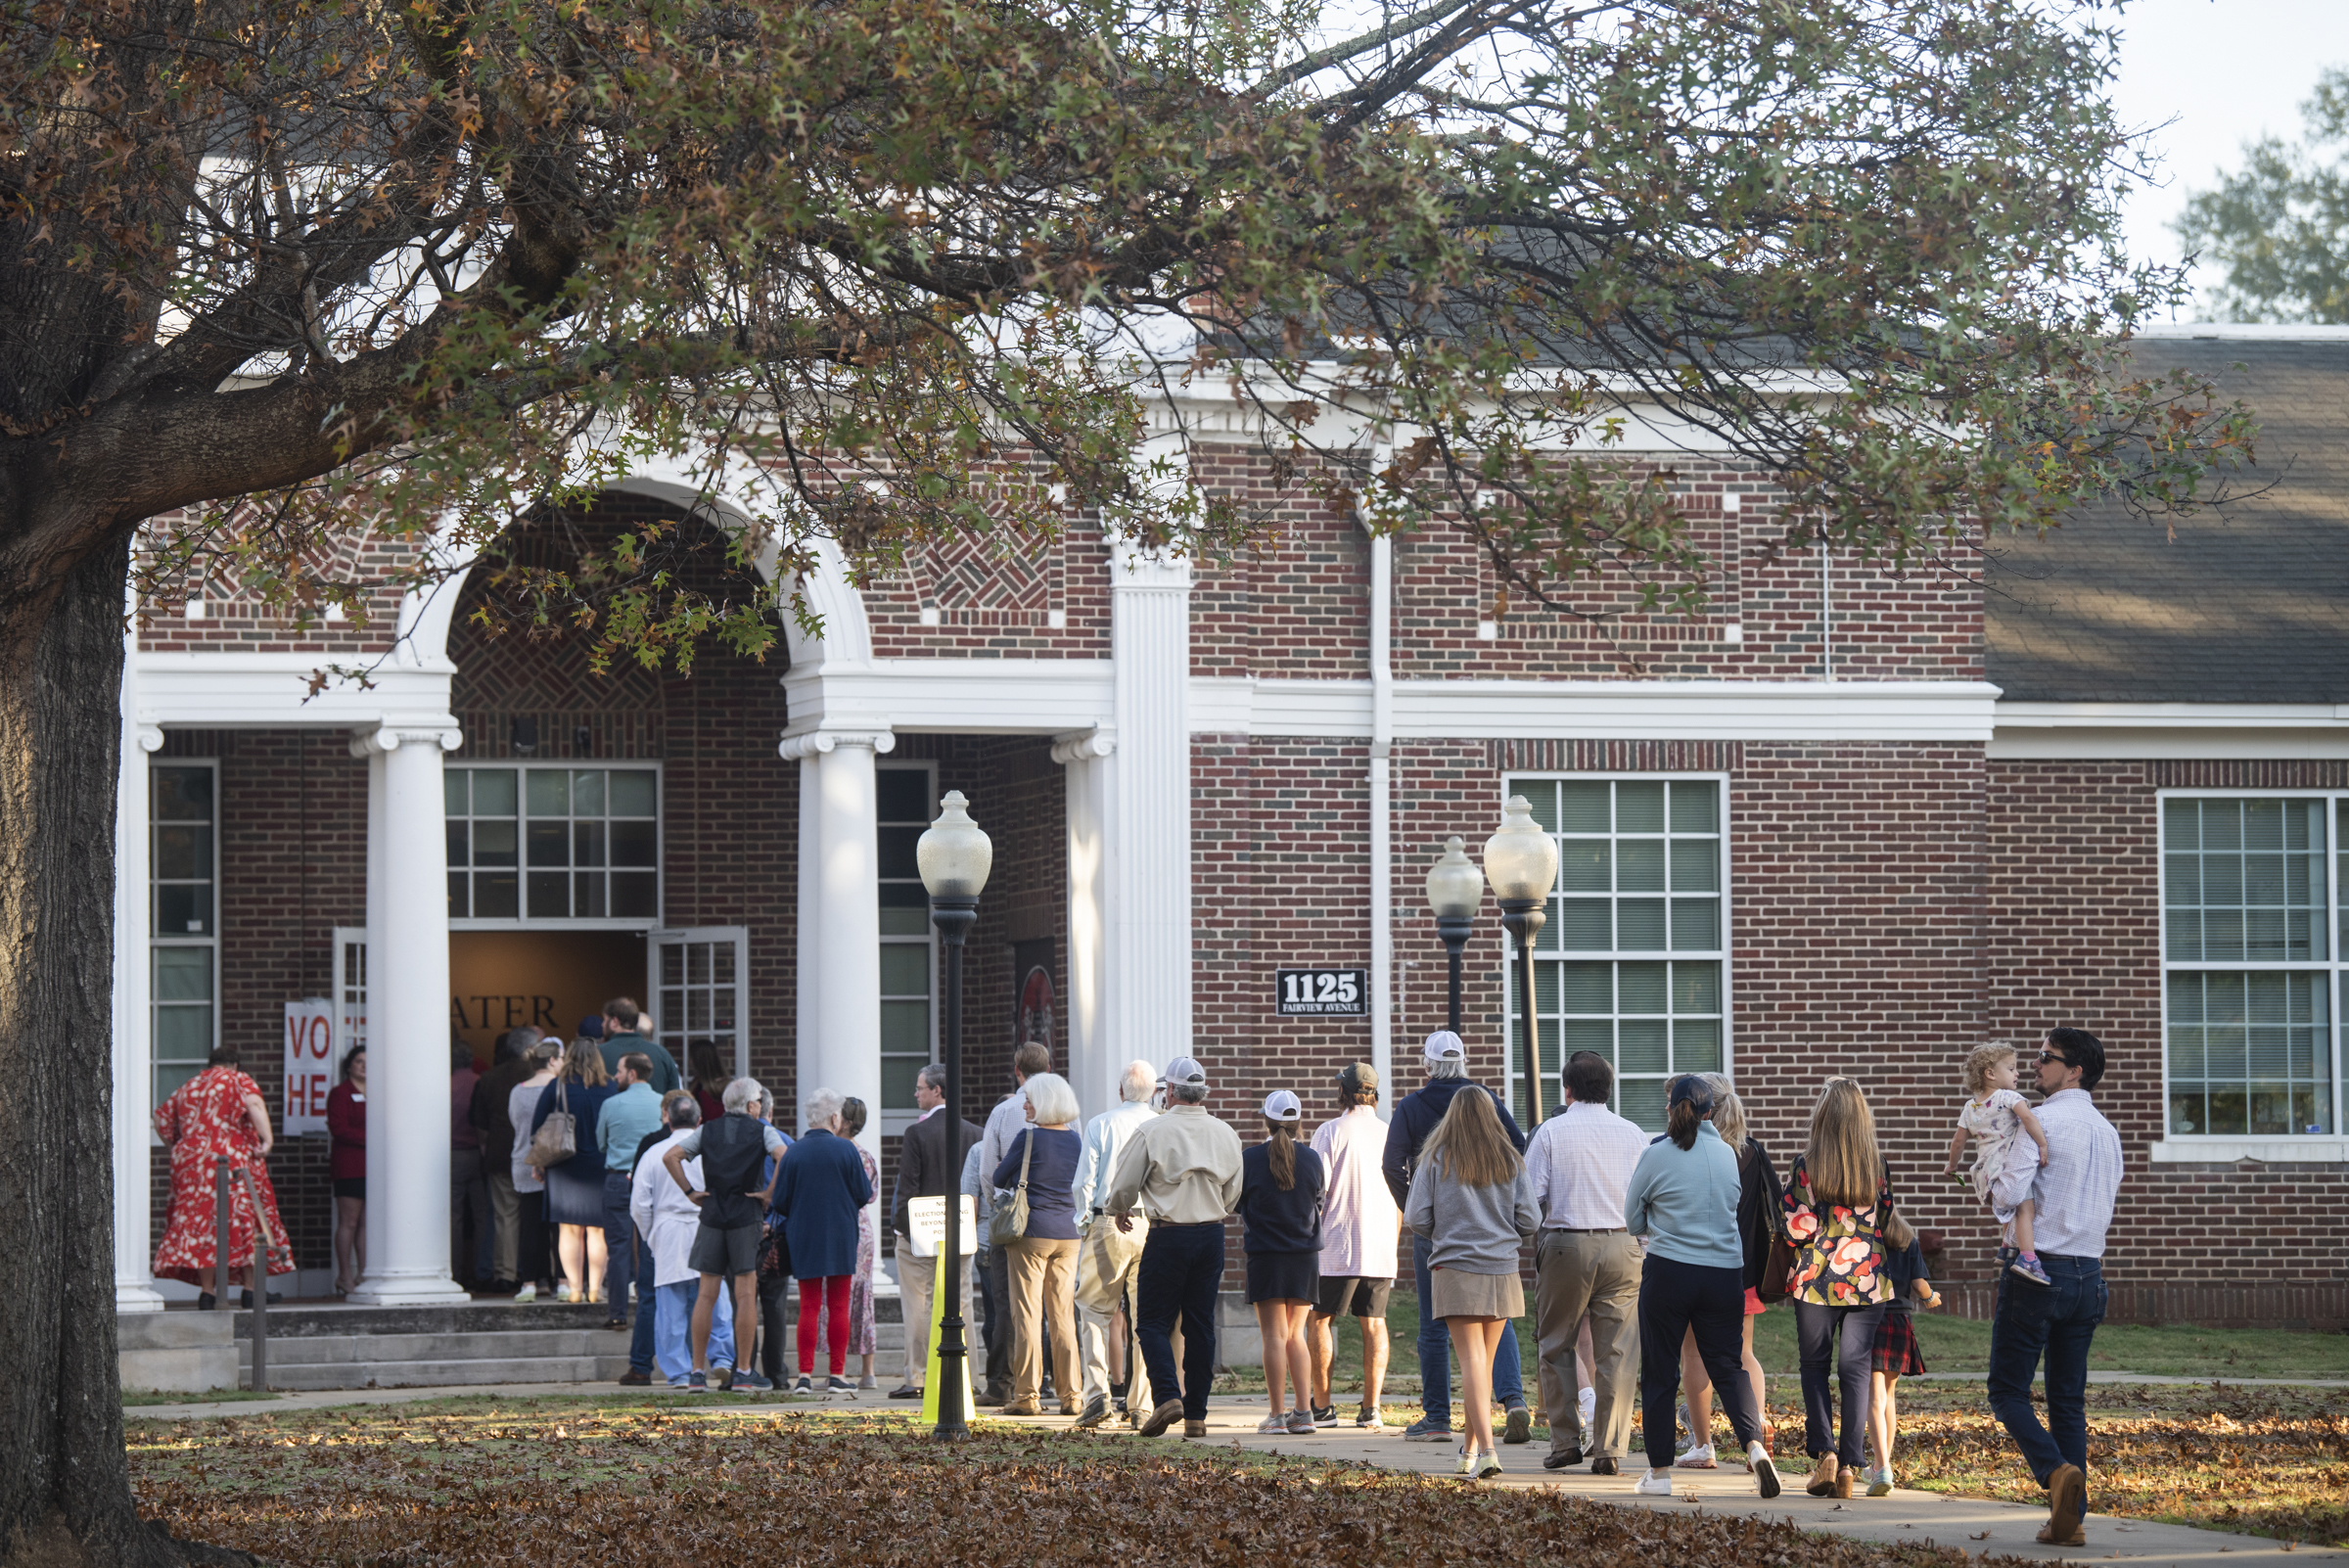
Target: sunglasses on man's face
{"points": [[2046, 1057]]}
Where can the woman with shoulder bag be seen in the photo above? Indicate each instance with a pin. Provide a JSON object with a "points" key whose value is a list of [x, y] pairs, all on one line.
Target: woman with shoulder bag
{"points": [[567, 1115], [1039, 1167], [1838, 1195]]}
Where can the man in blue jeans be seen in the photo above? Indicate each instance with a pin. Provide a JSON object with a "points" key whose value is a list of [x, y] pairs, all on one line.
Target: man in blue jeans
{"points": [[2074, 1194], [1416, 1117]]}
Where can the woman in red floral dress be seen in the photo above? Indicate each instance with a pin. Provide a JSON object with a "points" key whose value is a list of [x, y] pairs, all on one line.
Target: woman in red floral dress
{"points": [[219, 1111], [1838, 1196]]}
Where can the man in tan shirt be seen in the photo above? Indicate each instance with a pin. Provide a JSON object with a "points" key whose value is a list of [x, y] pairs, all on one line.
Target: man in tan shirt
{"points": [[1183, 1169]]}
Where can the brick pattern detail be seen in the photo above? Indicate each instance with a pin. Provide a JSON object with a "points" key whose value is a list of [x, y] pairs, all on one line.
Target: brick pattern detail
{"points": [[2073, 929]]}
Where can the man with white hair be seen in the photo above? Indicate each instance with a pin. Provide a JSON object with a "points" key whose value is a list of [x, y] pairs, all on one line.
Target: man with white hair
{"points": [[730, 1194], [1183, 1169], [667, 1220], [1107, 1257], [1415, 1117]]}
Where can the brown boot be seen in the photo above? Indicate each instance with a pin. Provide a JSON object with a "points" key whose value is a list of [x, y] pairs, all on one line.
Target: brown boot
{"points": [[1164, 1415], [1025, 1405], [1194, 1429], [2067, 1508], [1823, 1478]]}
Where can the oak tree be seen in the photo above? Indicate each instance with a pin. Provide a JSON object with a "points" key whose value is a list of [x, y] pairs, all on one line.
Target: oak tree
{"points": [[272, 272], [2278, 226]]}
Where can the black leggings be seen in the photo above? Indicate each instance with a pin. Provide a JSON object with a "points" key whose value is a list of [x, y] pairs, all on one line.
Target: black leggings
{"points": [[1676, 1298]]}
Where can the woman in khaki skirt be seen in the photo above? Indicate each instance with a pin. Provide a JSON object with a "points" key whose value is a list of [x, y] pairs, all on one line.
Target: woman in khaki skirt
{"points": [[1473, 1201]]}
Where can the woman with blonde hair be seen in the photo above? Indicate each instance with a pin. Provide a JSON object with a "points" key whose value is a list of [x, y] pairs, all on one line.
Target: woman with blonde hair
{"points": [[1473, 1200], [574, 1187], [1838, 1196], [1758, 1199]]}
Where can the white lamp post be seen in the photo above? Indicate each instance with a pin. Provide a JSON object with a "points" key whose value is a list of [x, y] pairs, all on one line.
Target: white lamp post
{"points": [[1454, 888], [954, 858], [1521, 862]]}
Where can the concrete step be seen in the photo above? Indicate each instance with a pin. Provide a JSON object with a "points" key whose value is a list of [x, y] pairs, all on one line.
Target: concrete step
{"points": [[518, 1348], [470, 1372]]}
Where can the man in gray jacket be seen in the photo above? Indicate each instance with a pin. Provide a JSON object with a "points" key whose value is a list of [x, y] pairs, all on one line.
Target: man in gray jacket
{"points": [[1183, 1169]]}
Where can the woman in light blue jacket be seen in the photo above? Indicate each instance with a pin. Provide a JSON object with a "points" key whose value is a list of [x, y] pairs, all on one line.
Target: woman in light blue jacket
{"points": [[1682, 1198]]}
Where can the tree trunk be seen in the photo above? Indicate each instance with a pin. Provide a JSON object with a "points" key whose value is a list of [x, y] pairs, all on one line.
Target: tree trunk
{"points": [[64, 1489]]}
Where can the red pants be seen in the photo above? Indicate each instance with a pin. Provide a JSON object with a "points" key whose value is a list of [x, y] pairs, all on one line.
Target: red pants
{"points": [[829, 1295]]}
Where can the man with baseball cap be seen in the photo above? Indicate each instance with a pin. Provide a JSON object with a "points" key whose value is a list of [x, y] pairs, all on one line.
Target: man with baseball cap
{"points": [[1416, 1116], [1183, 1169], [1108, 1257], [1359, 1225]]}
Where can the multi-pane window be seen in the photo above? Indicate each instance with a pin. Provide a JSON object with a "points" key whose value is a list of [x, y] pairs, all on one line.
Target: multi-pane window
{"points": [[2250, 977], [185, 933], [699, 997], [554, 843], [906, 800], [1632, 961]]}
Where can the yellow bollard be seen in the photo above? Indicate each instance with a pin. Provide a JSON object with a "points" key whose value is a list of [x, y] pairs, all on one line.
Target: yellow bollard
{"points": [[932, 1380]]}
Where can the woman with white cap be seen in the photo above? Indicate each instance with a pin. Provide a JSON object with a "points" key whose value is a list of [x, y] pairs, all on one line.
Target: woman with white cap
{"points": [[1281, 1187]]}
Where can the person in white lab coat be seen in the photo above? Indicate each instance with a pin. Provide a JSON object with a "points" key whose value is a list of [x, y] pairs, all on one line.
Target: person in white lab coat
{"points": [[667, 1220]]}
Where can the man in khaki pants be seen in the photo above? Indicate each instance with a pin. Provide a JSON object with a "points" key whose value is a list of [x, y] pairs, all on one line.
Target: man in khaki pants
{"points": [[1581, 1161]]}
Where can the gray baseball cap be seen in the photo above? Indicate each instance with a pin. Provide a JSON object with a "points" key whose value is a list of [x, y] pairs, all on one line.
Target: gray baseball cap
{"points": [[1184, 1073]]}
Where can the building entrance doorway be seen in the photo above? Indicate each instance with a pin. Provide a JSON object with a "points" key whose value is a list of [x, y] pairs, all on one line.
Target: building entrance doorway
{"points": [[501, 980]]}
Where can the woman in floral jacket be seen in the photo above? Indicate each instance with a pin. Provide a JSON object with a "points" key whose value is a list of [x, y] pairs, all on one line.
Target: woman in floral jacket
{"points": [[1838, 1196]]}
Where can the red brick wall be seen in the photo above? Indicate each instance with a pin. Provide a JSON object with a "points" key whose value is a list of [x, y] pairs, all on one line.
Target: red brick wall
{"points": [[2074, 899]]}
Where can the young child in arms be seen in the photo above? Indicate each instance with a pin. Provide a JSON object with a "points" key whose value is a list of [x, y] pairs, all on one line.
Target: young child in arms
{"points": [[1995, 1115]]}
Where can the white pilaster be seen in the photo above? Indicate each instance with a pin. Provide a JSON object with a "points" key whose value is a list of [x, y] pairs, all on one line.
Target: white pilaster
{"points": [[408, 1019], [840, 918], [1149, 829], [134, 1044], [1087, 757]]}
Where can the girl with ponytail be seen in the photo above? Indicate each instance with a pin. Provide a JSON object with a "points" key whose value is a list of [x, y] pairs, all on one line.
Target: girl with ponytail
{"points": [[1281, 1188], [1682, 1198]]}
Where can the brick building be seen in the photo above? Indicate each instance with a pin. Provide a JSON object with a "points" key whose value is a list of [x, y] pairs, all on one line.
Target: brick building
{"points": [[1846, 821]]}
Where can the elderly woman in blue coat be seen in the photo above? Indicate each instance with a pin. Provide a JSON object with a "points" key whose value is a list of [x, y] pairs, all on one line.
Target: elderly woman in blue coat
{"points": [[819, 1187]]}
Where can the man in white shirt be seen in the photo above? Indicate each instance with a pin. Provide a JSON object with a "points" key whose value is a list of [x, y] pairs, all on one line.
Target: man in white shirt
{"points": [[1585, 1261], [2073, 1195], [1003, 1124], [1108, 1257], [1360, 1229], [668, 1221]]}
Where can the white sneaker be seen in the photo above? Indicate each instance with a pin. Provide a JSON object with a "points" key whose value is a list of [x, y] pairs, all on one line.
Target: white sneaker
{"points": [[1654, 1484], [563, 1291], [1879, 1480], [1468, 1460], [1274, 1423], [1699, 1458], [527, 1293], [1589, 1401]]}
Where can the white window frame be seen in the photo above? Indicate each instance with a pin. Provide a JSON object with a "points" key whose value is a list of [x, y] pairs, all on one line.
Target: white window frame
{"points": [[522, 853], [209, 941], [894, 1120], [1508, 1013], [674, 1028], [2227, 1147]]}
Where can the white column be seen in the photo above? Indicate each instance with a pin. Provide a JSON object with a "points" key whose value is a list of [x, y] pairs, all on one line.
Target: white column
{"points": [[133, 1043], [1093, 1055], [1382, 816], [840, 941], [408, 1019], [1149, 826]]}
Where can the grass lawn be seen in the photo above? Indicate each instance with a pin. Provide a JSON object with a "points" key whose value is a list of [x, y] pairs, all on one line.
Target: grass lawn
{"points": [[651, 1483], [219, 1396], [1949, 1344]]}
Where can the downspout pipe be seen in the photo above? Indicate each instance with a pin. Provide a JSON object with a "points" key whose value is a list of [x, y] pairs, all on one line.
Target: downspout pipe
{"points": [[1382, 836]]}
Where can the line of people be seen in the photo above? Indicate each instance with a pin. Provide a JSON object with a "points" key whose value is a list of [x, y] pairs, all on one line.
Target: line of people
{"points": [[1662, 1247]]}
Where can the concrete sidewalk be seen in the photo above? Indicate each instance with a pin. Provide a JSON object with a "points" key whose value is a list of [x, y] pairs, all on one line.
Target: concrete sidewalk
{"points": [[1968, 1523]]}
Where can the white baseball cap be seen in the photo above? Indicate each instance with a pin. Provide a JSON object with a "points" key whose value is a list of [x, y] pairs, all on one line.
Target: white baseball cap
{"points": [[1444, 1046], [1185, 1073], [1282, 1106]]}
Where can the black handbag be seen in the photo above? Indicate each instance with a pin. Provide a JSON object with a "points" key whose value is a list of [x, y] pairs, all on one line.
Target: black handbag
{"points": [[774, 1253]]}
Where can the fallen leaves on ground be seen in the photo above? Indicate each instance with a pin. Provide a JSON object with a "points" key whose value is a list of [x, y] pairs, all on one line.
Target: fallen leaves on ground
{"points": [[618, 1487], [2264, 1461]]}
